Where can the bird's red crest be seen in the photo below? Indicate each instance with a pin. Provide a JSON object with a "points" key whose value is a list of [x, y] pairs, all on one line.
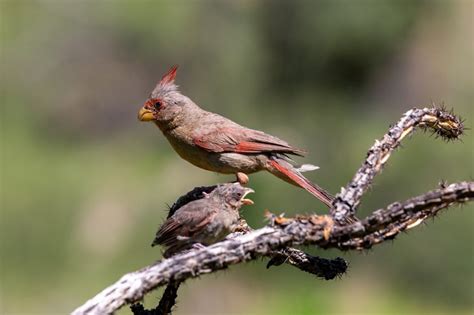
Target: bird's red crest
{"points": [[166, 84], [169, 76]]}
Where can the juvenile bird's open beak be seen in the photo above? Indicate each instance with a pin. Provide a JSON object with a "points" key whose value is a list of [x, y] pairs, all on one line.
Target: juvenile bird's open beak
{"points": [[245, 201], [145, 114]]}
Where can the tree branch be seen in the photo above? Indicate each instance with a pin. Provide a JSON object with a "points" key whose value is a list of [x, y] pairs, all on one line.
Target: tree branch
{"points": [[332, 231], [327, 269], [442, 123], [303, 230], [167, 302]]}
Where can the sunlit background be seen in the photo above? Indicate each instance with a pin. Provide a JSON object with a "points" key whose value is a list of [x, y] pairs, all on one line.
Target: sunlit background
{"points": [[84, 184]]}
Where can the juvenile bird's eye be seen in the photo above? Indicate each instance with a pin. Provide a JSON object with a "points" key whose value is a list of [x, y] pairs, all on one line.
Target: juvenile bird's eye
{"points": [[157, 105]]}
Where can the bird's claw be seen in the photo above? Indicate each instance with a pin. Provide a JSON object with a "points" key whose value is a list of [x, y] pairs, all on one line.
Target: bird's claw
{"points": [[198, 246]]}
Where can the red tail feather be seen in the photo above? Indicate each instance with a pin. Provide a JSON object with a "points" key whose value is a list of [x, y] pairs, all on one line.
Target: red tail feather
{"points": [[297, 178]]}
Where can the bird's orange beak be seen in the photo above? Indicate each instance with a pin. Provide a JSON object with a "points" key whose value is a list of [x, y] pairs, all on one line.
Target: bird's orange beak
{"points": [[245, 201], [145, 114]]}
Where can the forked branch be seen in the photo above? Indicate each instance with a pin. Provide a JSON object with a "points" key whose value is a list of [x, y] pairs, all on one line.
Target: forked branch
{"points": [[330, 231], [444, 124]]}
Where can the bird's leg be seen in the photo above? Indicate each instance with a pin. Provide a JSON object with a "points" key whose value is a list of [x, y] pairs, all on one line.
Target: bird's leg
{"points": [[242, 178]]}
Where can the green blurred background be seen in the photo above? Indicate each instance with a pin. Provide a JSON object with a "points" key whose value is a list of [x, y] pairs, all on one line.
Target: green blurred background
{"points": [[84, 185]]}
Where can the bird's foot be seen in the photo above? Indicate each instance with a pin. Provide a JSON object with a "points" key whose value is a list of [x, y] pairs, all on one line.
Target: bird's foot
{"points": [[242, 178], [198, 246]]}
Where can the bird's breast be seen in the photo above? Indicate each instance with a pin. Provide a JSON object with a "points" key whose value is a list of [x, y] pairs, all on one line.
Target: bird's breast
{"points": [[222, 224], [220, 162]]}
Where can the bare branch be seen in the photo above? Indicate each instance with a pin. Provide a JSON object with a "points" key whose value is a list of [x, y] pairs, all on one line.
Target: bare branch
{"points": [[336, 231], [444, 124], [302, 230], [167, 302], [385, 224], [327, 269]]}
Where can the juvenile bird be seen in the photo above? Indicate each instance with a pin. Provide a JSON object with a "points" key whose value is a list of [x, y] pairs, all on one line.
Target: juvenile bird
{"points": [[218, 144], [203, 221]]}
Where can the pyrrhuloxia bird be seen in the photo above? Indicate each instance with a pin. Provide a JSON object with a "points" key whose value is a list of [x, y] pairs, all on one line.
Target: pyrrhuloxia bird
{"points": [[218, 144], [203, 221]]}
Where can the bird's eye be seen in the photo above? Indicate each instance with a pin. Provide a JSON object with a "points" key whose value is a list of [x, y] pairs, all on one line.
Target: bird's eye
{"points": [[157, 105]]}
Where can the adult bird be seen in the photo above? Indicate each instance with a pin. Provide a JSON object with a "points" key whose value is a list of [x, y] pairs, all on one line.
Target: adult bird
{"points": [[217, 144]]}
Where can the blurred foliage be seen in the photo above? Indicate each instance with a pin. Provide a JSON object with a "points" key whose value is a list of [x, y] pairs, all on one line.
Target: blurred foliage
{"points": [[84, 185]]}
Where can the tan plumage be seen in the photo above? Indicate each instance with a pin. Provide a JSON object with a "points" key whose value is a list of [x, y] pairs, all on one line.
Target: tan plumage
{"points": [[204, 221], [217, 144]]}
